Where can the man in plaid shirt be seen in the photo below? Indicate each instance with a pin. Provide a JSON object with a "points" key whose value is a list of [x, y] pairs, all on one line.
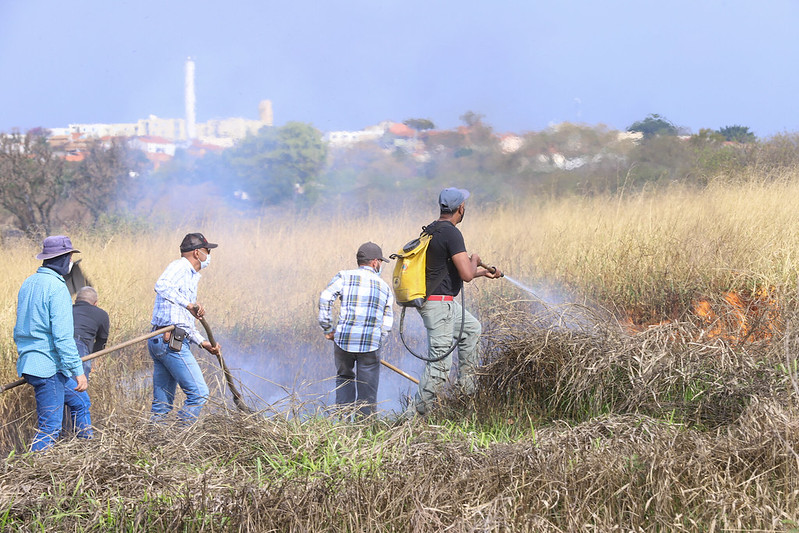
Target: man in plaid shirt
{"points": [[365, 319]]}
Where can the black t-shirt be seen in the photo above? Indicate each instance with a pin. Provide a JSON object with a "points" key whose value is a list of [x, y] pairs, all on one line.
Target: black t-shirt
{"points": [[447, 241], [91, 325]]}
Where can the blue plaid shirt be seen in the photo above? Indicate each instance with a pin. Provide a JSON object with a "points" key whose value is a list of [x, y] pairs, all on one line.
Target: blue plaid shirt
{"points": [[174, 291], [44, 333], [366, 313]]}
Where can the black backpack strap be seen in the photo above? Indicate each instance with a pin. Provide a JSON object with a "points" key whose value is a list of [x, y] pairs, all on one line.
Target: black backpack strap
{"points": [[431, 228]]}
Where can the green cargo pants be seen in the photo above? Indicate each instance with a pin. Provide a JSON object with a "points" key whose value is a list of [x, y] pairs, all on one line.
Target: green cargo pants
{"points": [[443, 323]]}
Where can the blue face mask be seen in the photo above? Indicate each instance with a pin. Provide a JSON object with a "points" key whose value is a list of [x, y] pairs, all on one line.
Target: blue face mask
{"points": [[205, 262], [61, 264]]}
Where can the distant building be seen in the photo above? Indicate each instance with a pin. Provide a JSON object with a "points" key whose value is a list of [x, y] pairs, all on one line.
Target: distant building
{"points": [[99, 130], [510, 143], [168, 128], [228, 128], [348, 138], [634, 136], [157, 150], [153, 145], [219, 132]]}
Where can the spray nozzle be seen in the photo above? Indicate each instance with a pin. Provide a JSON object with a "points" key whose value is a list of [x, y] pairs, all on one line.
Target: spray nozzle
{"points": [[491, 269]]}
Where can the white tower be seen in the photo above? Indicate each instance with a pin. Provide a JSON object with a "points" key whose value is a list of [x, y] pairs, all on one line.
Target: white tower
{"points": [[190, 101]]}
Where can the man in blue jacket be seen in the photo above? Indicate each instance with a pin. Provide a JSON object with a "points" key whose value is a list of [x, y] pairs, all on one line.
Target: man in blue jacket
{"points": [[44, 335]]}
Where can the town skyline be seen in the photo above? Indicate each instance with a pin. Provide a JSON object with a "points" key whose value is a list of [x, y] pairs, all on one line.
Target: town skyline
{"points": [[344, 66]]}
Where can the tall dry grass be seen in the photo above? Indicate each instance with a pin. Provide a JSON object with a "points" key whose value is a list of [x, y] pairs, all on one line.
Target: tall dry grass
{"points": [[579, 424], [268, 271]]}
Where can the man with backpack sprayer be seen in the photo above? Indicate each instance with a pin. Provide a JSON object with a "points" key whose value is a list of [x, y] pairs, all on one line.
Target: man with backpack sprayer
{"points": [[447, 266]]}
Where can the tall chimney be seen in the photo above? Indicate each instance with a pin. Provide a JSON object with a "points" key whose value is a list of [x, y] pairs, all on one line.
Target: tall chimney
{"points": [[190, 100], [265, 112]]}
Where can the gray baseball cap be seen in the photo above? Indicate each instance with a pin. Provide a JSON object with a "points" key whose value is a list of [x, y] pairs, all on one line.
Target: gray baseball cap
{"points": [[368, 251], [451, 198]]}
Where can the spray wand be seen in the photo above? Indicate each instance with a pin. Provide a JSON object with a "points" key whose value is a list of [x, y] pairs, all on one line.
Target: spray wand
{"points": [[491, 269], [519, 284]]}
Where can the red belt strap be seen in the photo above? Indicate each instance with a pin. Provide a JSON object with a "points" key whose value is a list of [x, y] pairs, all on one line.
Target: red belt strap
{"points": [[439, 298]]}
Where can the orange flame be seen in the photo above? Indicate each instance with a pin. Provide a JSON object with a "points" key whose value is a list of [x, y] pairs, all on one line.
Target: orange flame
{"points": [[735, 318]]}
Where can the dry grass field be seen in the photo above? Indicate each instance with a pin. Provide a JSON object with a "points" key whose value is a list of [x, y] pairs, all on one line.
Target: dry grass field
{"points": [[647, 383]]}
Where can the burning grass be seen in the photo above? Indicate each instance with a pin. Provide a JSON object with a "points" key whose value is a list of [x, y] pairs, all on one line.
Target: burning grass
{"points": [[673, 371]]}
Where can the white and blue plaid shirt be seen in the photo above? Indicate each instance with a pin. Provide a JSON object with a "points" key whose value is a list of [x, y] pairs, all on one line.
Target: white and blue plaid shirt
{"points": [[366, 313], [174, 291]]}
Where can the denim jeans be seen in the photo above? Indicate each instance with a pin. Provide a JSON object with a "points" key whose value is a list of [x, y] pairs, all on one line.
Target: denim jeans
{"points": [[51, 395], [357, 375], [443, 323], [170, 369], [83, 351]]}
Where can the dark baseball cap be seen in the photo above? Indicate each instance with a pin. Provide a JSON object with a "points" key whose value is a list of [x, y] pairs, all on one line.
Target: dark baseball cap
{"points": [[451, 198], [369, 251], [195, 241]]}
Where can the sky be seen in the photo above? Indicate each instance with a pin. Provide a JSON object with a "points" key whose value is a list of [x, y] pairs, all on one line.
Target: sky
{"points": [[347, 64]]}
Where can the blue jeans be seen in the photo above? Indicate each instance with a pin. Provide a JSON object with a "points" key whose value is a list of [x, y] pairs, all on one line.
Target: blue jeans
{"points": [[172, 368], [83, 351], [51, 395], [364, 384]]}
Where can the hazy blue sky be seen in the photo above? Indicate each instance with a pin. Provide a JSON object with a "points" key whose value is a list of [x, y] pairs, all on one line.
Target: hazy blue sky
{"points": [[342, 64]]}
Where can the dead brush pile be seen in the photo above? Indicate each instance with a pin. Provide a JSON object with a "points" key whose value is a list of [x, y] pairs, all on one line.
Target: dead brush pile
{"points": [[570, 363], [231, 473], [660, 431]]}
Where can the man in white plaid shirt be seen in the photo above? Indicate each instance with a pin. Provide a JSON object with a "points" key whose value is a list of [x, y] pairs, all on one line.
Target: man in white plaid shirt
{"points": [[365, 319], [176, 305]]}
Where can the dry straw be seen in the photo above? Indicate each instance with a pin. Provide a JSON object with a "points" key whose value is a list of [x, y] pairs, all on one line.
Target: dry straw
{"points": [[621, 408]]}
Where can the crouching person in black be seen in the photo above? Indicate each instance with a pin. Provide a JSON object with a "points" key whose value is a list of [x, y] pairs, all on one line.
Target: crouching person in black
{"points": [[91, 325]]}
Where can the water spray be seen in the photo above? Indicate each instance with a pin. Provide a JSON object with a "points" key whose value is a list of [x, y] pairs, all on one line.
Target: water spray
{"points": [[518, 283], [523, 287]]}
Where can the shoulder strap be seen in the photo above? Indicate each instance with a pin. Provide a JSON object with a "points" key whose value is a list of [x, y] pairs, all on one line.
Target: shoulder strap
{"points": [[431, 228]]}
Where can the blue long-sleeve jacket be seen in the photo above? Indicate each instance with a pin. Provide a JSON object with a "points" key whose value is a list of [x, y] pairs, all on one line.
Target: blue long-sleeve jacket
{"points": [[44, 332]]}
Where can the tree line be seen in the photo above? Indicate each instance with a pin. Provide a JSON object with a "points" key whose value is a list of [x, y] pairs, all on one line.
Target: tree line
{"points": [[35, 180], [292, 164]]}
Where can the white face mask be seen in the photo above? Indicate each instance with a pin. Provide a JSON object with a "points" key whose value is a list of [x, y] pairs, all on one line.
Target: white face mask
{"points": [[205, 262], [379, 267], [70, 265]]}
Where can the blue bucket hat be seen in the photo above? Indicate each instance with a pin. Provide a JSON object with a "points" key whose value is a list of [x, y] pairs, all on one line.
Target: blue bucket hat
{"points": [[56, 245]]}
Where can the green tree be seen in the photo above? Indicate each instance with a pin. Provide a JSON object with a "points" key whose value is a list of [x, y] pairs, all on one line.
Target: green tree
{"points": [[478, 132], [706, 136], [740, 134], [277, 163], [654, 125], [419, 124], [32, 179]]}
